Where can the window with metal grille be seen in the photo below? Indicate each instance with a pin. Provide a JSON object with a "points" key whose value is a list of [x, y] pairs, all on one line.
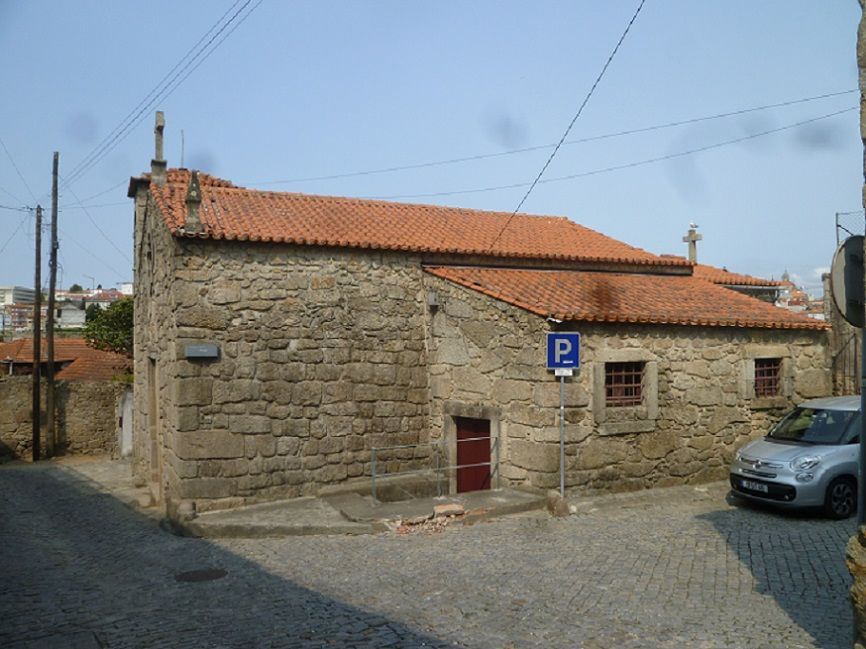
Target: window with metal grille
{"points": [[768, 372], [623, 383]]}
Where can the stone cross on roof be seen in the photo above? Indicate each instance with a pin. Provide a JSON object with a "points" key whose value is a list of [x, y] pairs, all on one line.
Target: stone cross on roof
{"points": [[692, 239]]}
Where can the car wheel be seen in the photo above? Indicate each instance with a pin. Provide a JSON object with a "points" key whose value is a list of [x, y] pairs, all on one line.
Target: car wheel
{"points": [[841, 499]]}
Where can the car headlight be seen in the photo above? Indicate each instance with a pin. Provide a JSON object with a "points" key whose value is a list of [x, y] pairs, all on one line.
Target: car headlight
{"points": [[806, 462]]}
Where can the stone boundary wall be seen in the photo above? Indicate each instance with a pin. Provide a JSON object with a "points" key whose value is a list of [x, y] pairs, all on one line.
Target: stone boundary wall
{"points": [[487, 359], [87, 411], [85, 417], [16, 430]]}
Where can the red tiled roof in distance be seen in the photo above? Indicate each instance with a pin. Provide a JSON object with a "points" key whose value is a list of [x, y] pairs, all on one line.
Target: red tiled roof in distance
{"points": [[85, 363], [625, 297], [236, 213]]}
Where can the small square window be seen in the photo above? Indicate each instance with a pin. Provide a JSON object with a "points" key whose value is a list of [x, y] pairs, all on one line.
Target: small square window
{"points": [[623, 383], [768, 373]]}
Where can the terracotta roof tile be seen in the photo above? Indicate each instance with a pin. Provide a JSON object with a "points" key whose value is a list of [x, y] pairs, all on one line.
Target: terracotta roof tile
{"points": [[625, 297], [727, 278], [85, 363], [236, 213]]}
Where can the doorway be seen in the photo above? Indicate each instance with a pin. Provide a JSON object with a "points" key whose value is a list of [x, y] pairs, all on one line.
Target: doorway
{"points": [[473, 454]]}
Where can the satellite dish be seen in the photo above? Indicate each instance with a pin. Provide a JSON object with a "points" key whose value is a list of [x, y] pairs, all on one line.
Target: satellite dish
{"points": [[846, 280]]}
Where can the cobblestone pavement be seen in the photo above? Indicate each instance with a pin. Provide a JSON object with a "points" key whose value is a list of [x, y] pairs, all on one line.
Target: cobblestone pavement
{"points": [[670, 568]]}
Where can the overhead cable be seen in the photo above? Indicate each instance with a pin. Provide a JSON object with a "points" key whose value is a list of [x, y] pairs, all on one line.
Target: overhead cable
{"points": [[628, 165], [540, 147], [164, 89]]}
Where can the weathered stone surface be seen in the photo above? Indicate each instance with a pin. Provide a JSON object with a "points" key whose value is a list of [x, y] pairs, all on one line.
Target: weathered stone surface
{"points": [[448, 509], [251, 424], [202, 317], [534, 456], [705, 396], [205, 444], [723, 418], [811, 383], [654, 446], [600, 452], [193, 392]]}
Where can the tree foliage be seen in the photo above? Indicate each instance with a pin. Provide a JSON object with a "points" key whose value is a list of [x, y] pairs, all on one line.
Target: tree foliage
{"points": [[112, 329], [93, 312], [76, 288]]}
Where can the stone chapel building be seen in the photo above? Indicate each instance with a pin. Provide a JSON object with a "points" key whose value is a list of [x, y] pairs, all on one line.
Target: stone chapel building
{"points": [[280, 337]]}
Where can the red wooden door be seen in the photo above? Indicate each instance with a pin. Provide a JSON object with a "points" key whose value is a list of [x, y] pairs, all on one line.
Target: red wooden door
{"points": [[476, 451]]}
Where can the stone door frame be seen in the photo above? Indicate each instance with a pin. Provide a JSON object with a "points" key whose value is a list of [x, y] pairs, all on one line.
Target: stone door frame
{"points": [[451, 411]]}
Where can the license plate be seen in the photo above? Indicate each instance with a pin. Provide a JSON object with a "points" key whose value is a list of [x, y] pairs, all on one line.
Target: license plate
{"points": [[751, 485]]}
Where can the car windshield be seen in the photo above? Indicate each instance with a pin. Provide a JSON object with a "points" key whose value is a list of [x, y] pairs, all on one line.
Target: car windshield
{"points": [[812, 426]]}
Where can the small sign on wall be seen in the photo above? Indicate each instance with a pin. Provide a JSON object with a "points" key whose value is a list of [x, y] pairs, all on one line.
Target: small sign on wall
{"points": [[202, 351]]}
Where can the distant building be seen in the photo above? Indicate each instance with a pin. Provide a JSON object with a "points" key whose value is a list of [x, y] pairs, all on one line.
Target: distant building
{"points": [[17, 295], [126, 288], [70, 314], [105, 298]]}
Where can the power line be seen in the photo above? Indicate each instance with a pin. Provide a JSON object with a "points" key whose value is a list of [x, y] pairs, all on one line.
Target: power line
{"points": [[120, 127], [96, 225], [167, 89], [18, 171], [105, 191], [11, 195], [84, 207], [16, 209], [14, 232], [577, 114], [101, 260], [540, 147], [629, 165], [129, 121]]}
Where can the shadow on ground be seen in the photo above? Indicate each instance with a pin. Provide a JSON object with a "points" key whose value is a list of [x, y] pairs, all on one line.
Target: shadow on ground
{"points": [[804, 572], [79, 569]]}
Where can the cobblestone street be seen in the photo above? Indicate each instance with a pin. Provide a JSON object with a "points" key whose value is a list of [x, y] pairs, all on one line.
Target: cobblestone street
{"points": [[673, 568]]}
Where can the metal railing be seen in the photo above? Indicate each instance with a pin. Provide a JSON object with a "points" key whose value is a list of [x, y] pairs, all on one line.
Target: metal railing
{"points": [[845, 366], [439, 451]]}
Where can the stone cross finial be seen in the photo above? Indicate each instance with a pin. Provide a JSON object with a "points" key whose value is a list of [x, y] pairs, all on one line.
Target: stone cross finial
{"points": [[158, 164], [192, 223], [692, 239]]}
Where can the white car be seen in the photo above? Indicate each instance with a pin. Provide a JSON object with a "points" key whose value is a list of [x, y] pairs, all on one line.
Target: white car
{"points": [[809, 459]]}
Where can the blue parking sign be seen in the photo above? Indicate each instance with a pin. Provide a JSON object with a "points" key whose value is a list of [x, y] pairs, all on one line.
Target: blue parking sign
{"points": [[563, 350]]}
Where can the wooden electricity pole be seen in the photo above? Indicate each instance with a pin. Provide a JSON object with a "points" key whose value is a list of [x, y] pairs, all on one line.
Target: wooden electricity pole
{"points": [[37, 334], [49, 326]]}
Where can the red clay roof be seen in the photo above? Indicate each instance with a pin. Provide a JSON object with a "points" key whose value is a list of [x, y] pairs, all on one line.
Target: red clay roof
{"points": [[236, 213], [85, 363], [625, 297], [727, 278]]}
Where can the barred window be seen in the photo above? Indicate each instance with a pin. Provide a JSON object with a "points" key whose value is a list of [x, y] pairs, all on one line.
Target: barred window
{"points": [[768, 372], [623, 383]]}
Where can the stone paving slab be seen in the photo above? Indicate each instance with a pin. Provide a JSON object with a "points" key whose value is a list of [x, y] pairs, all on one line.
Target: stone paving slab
{"points": [[295, 517], [481, 505]]}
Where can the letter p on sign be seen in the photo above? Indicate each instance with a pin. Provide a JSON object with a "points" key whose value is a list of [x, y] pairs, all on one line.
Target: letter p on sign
{"points": [[563, 350]]}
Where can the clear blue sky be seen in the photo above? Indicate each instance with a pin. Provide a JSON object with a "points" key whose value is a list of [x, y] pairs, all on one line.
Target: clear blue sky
{"points": [[305, 89]]}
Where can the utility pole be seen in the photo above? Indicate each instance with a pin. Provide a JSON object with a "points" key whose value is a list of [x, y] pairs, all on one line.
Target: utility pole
{"points": [[49, 327], [37, 334]]}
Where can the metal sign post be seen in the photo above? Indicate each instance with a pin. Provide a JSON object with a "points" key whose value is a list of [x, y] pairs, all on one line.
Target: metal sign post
{"points": [[847, 286], [563, 357], [562, 435], [861, 481]]}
